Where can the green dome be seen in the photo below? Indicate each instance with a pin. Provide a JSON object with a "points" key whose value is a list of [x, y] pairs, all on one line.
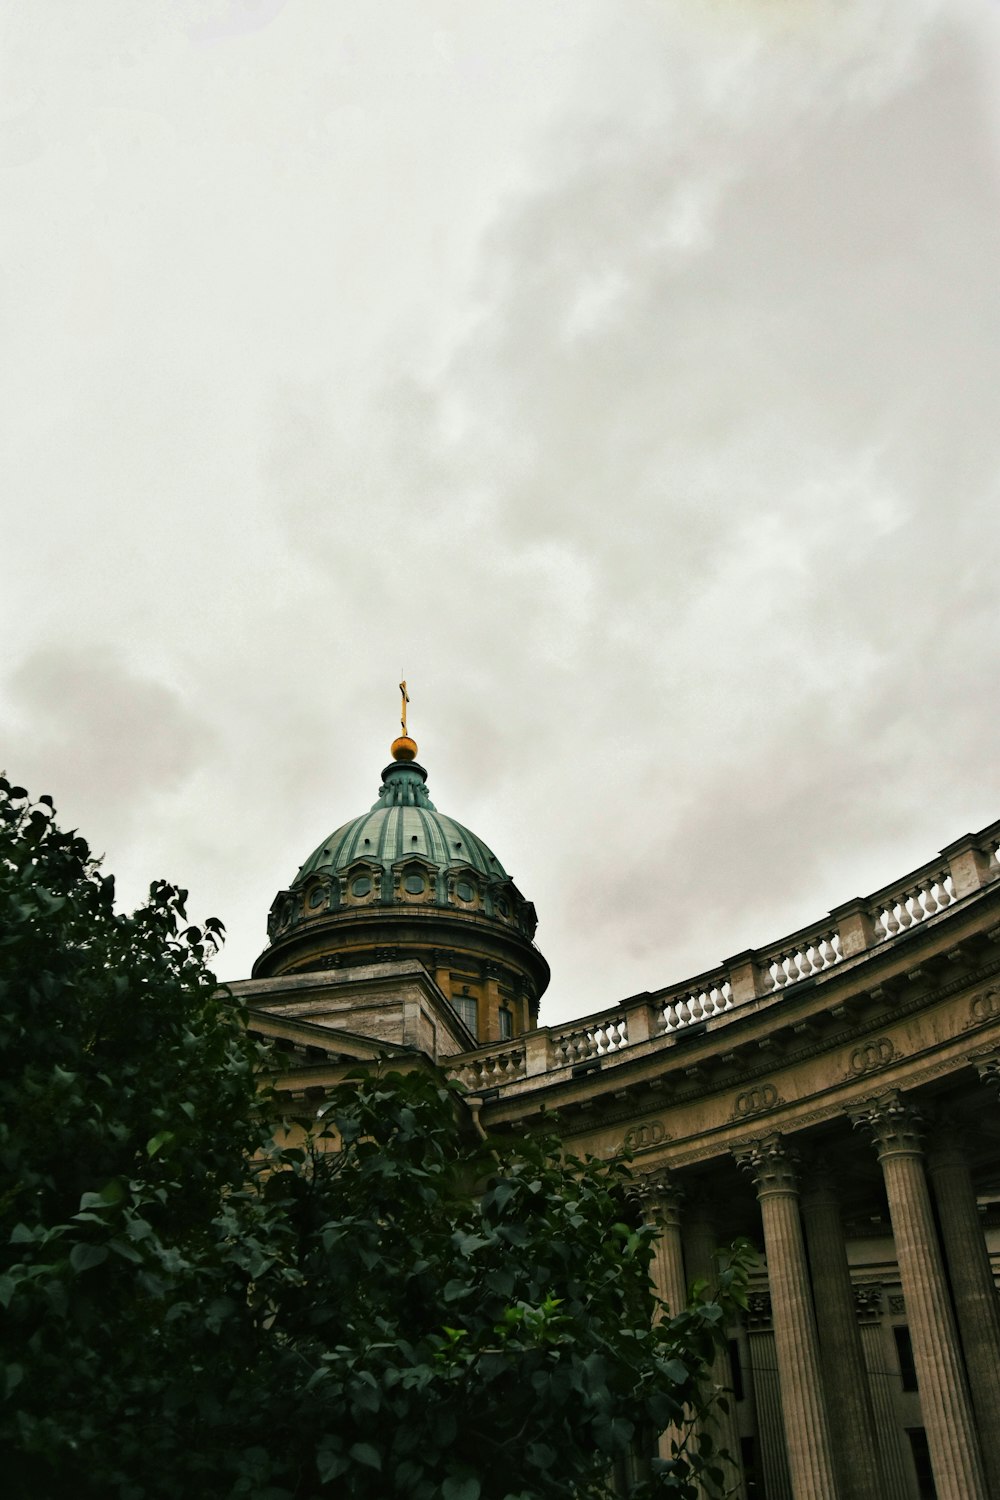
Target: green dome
{"points": [[403, 822], [403, 854], [404, 881]]}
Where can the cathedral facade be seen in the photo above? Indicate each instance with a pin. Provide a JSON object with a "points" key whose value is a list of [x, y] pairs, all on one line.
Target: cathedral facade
{"points": [[834, 1097]]}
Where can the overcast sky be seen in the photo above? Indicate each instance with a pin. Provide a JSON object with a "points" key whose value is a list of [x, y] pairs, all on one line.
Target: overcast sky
{"points": [[628, 374]]}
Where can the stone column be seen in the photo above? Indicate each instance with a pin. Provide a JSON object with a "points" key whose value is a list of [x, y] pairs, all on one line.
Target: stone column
{"points": [[661, 1205], [807, 1431], [868, 1301], [858, 1468], [944, 1402], [661, 1201], [701, 1241], [773, 1457], [974, 1291]]}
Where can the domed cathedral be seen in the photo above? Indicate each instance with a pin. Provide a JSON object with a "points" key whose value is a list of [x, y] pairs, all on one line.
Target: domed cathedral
{"points": [[405, 884], [833, 1094]]}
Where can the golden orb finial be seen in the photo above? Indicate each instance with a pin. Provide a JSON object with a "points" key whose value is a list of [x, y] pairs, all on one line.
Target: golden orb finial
{"points": [[403, 748]]}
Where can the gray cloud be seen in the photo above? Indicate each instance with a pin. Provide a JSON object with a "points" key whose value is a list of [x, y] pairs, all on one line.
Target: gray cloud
{"points": [[104, 737], [627, 377]]}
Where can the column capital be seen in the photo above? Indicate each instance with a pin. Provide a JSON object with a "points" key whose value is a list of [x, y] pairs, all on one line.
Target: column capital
{"points": [[987, 1065], [893, 1123], [660, 1197], [771, 1164]]}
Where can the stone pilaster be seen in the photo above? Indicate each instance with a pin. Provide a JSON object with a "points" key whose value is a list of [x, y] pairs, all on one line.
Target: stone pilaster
{"points": [[856, 1454], [974, 1291], [807, 1431], [868, 1302], [944, 1402], [772, 1449]]}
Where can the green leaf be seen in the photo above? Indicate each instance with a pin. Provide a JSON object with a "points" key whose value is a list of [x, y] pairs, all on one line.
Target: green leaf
{"points": [[364, 1453], [111, 1193], [468, 1243], [85, 1257], [540, 1455], [330, 1462], [468, 1488], [156, 1142], [125, 1250]]}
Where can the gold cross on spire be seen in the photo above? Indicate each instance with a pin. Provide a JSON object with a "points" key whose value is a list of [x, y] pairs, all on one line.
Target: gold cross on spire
{"points": [[406, 699]]}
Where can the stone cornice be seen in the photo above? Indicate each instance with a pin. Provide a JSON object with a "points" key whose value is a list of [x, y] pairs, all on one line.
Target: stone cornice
{"points": [[697, 1075]]}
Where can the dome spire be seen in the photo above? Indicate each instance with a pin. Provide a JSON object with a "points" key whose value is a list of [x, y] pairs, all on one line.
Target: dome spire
{"points": [[403, 748]]}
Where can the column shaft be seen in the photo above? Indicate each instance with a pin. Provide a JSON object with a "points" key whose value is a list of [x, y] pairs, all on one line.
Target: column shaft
{"points": [[975, 1295], [701, 1243], [858, 1468], [944, 1400], [667, 1266], [887, 1428], [669, 1284], [772, 1446], [810, 1451]]}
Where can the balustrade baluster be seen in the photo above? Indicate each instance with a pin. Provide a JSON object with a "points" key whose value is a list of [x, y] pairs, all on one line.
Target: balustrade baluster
{"points": [[928, 898]]}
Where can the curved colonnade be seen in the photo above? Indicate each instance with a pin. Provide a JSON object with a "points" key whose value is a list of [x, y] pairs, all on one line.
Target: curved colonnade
{"points": [[836, 1098]]}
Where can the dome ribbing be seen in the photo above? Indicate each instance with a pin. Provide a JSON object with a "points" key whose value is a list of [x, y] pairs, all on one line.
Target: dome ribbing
{"points": [[403, 822]]}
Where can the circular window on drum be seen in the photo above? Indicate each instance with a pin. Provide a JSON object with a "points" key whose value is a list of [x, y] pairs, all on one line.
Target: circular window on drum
{"points": [[316, 897], [415, 885], [361, 885], [464, 891]]}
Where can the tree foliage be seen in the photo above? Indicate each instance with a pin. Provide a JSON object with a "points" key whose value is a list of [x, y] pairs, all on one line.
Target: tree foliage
{"points": [[392, 1307]]}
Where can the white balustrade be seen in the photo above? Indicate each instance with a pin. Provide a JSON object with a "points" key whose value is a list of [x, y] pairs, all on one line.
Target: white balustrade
{"points": [[801, 959], [593, 1039], [970, 863], [690, 1006], [899, 910], [489, 1069]]}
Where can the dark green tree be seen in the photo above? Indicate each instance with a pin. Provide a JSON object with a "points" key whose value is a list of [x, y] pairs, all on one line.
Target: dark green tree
{"points": [[127, 1112], [395, 1307]]}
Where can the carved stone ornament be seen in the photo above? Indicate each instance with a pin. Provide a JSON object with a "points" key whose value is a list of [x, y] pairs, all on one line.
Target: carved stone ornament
{"points": [[988, 1067], [869, 1056], [897, 1304], [770, 1163], [984, 1007], [646, 1133], [868, 1301], [756, 1100], [758, 1310], [893, 1123]]}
